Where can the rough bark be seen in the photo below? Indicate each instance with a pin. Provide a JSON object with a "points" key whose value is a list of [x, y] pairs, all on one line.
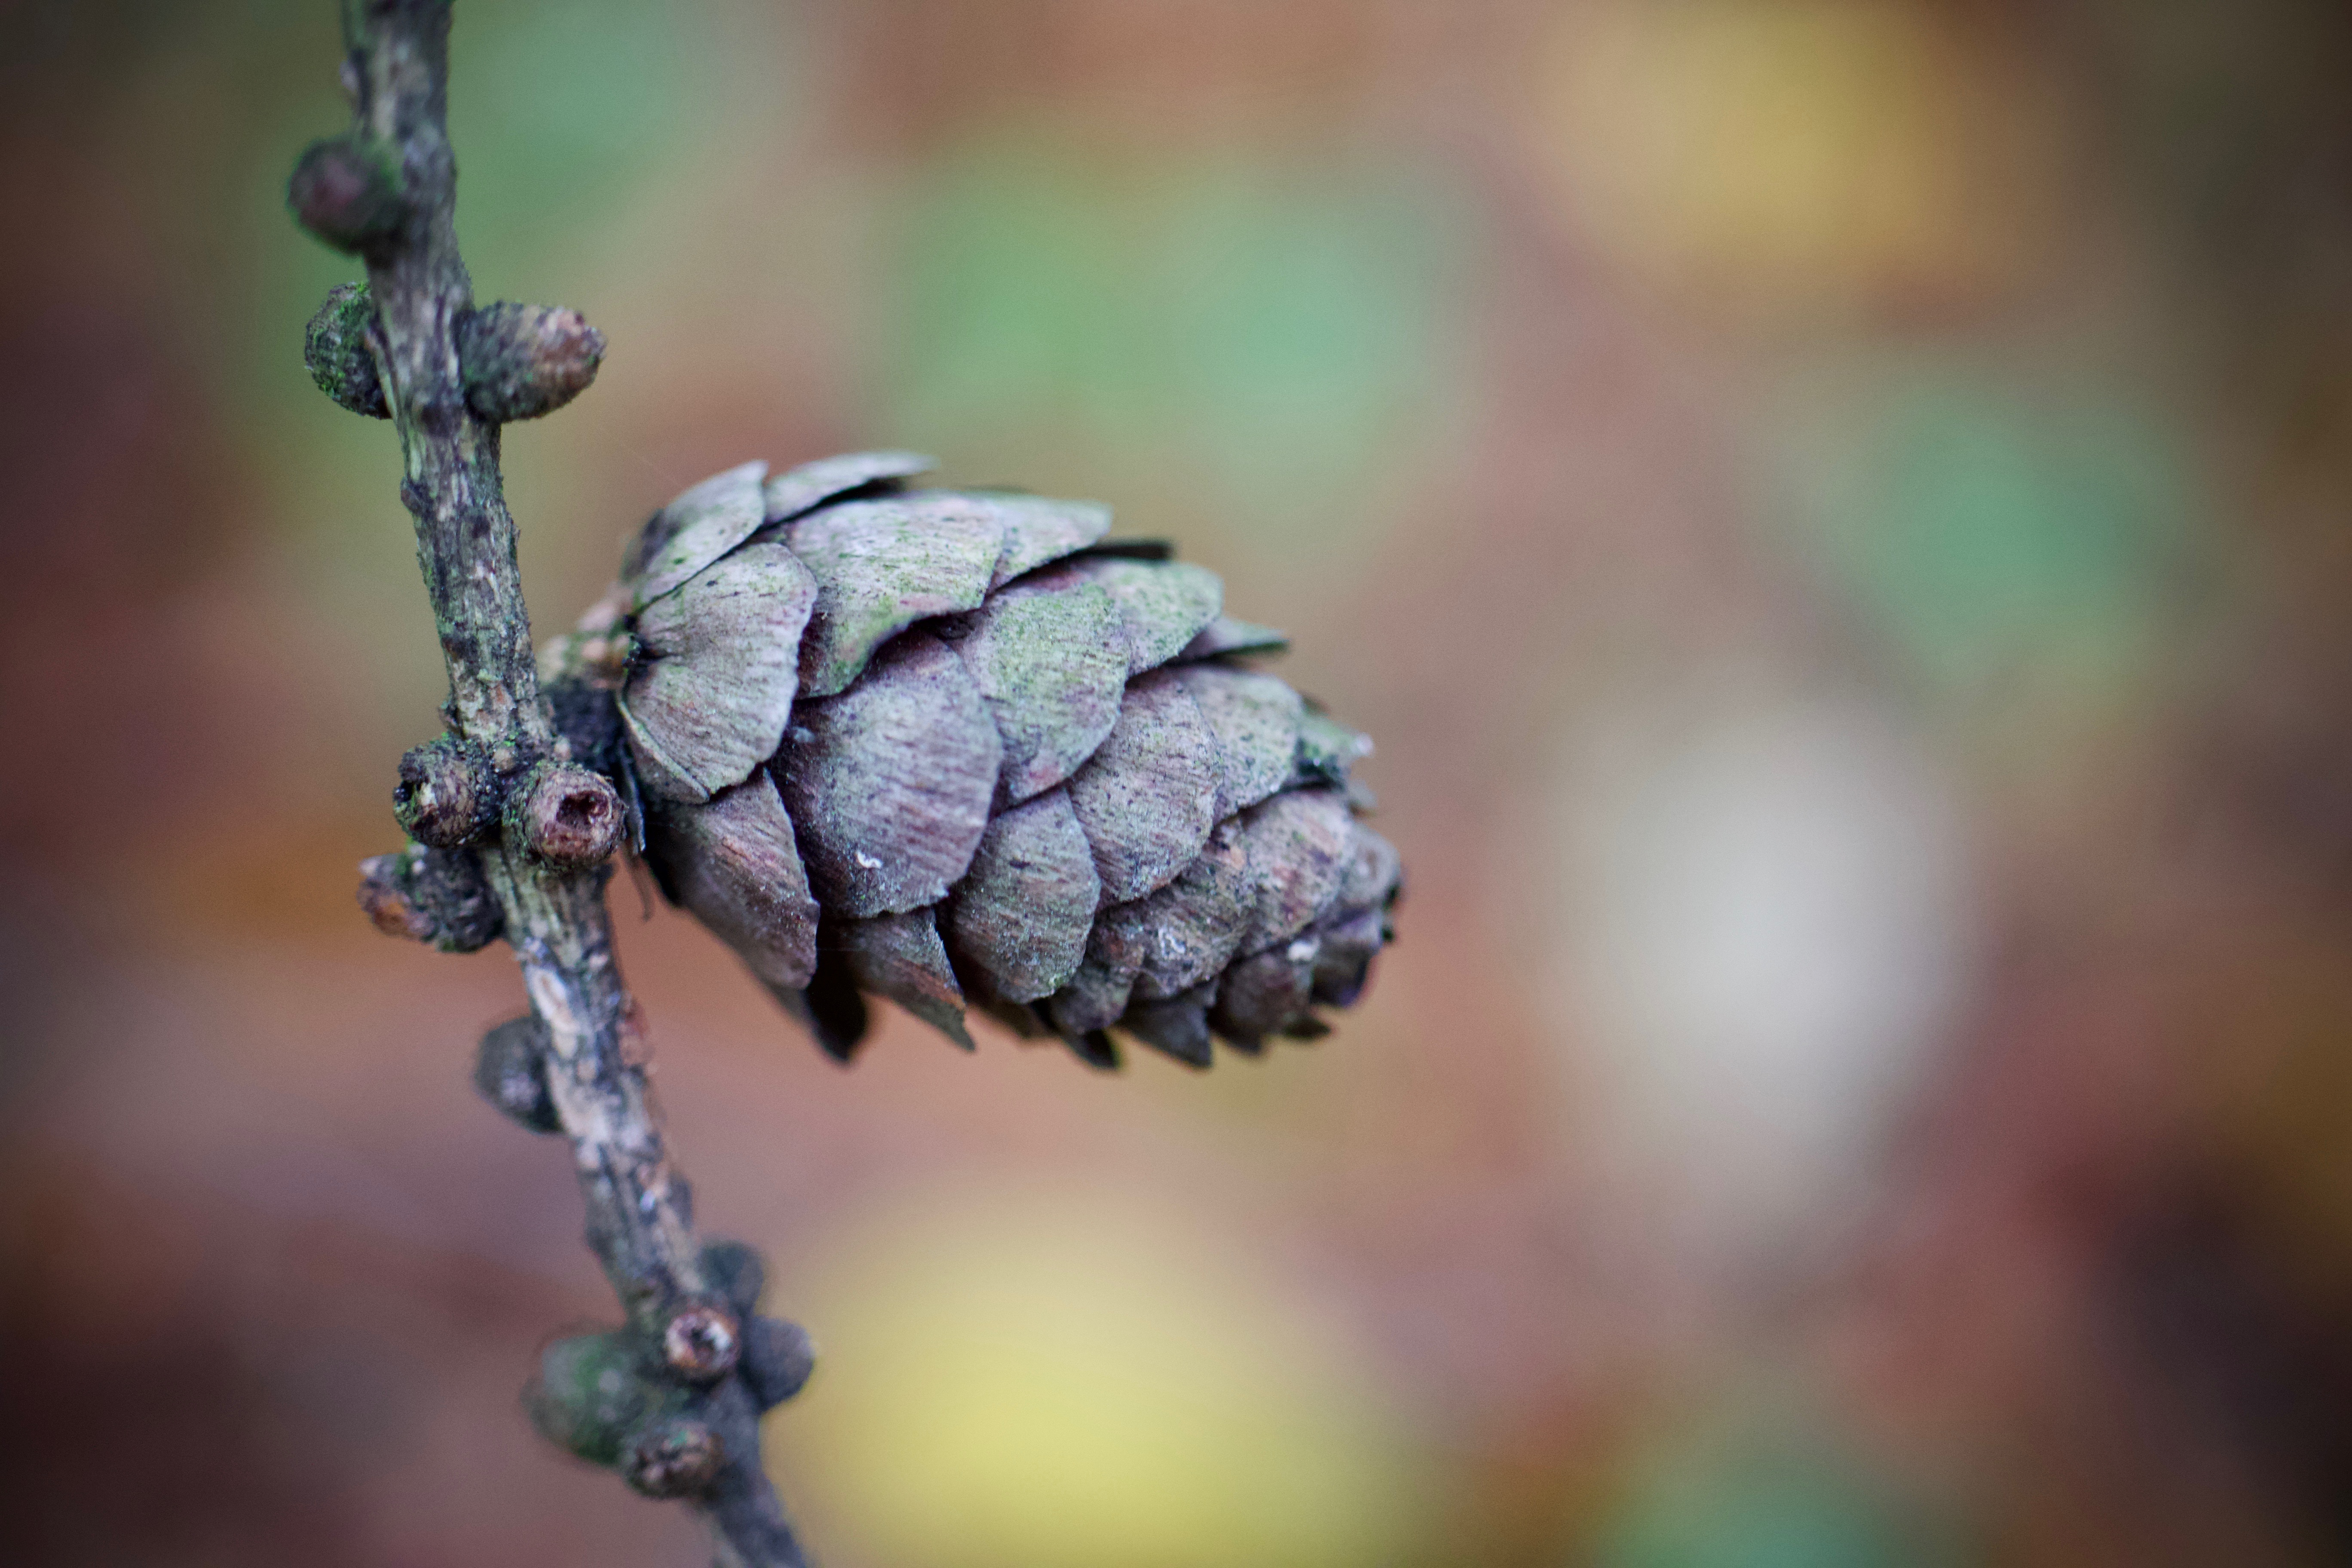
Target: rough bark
{"points": [[640, 1220]]}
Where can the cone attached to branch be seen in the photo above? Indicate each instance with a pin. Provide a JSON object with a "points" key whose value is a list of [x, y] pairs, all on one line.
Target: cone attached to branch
{"points": [[960, 750]]}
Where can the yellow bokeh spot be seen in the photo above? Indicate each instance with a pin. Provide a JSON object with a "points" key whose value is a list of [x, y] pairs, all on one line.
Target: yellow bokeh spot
{"points": [[1035, 1381], [1777, 156]]}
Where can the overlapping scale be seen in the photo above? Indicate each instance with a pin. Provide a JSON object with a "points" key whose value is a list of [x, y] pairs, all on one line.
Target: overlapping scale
{"points": [[1327, 748], [1177, 1026], [695, 530], [1038, 530], [883, 565], [1263, 993], [1049, 657], [789, 494], [716, 672], [1182, 934], [1256, 718], [1095, 997], [1373, 872], [1023, 914], [901, 957], [1096, 1048], [1226, 635], [889, 781], [1344, 961], [733, 863], [1163, 605], [1147, 797], [1300, 846]]}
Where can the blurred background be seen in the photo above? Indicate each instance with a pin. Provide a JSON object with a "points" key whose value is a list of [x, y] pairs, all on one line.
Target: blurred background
{"points": [[1834, 512]]}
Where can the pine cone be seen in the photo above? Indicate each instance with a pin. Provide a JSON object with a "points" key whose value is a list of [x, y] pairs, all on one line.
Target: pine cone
{"points": [[954, 747]]}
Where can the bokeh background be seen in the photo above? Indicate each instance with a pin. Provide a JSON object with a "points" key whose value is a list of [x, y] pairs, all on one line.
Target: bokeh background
{"points": [[1835, 511]]}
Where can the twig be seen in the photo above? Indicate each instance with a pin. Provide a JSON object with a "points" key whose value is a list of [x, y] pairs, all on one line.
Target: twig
{"points": [[501, 791]]}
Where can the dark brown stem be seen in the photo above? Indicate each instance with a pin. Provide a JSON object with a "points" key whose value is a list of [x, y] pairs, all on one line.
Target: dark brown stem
{"points": [[388, 192]]}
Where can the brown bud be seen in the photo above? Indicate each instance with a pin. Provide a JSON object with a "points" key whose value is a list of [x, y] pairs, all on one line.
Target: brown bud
{"points": [[523, 361], [347, 191], [335, 348], [448, 794], [386, 903], [565, 815], [435, 896], [672, 1457]]}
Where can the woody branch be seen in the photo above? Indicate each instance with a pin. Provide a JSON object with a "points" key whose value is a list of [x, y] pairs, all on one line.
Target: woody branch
{"points": [[509, 834]]}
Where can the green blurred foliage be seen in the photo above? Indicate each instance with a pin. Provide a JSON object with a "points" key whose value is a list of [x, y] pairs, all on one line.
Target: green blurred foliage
{"points": [[1281, 331], [558, 106], [1768, 1490], [1999, 535]]}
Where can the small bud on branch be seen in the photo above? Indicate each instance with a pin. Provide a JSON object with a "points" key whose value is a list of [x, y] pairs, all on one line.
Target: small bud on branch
{"points": [[778, 1357], [435, 896], [516, 361], [510, 1072], [448, 794], [588, 1395], [737, 1272], [519, 361], [336, 350], [347, 191]]}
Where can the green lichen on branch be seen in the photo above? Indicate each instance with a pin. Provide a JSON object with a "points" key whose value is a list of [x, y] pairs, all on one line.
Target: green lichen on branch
{"points": [[339, 353]]}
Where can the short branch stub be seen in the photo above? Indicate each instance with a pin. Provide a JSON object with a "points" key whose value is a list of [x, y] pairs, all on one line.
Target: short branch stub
{"points": [[448, 794], [565, 815], [701, 1341], [435, 896], [671, 1457]]}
